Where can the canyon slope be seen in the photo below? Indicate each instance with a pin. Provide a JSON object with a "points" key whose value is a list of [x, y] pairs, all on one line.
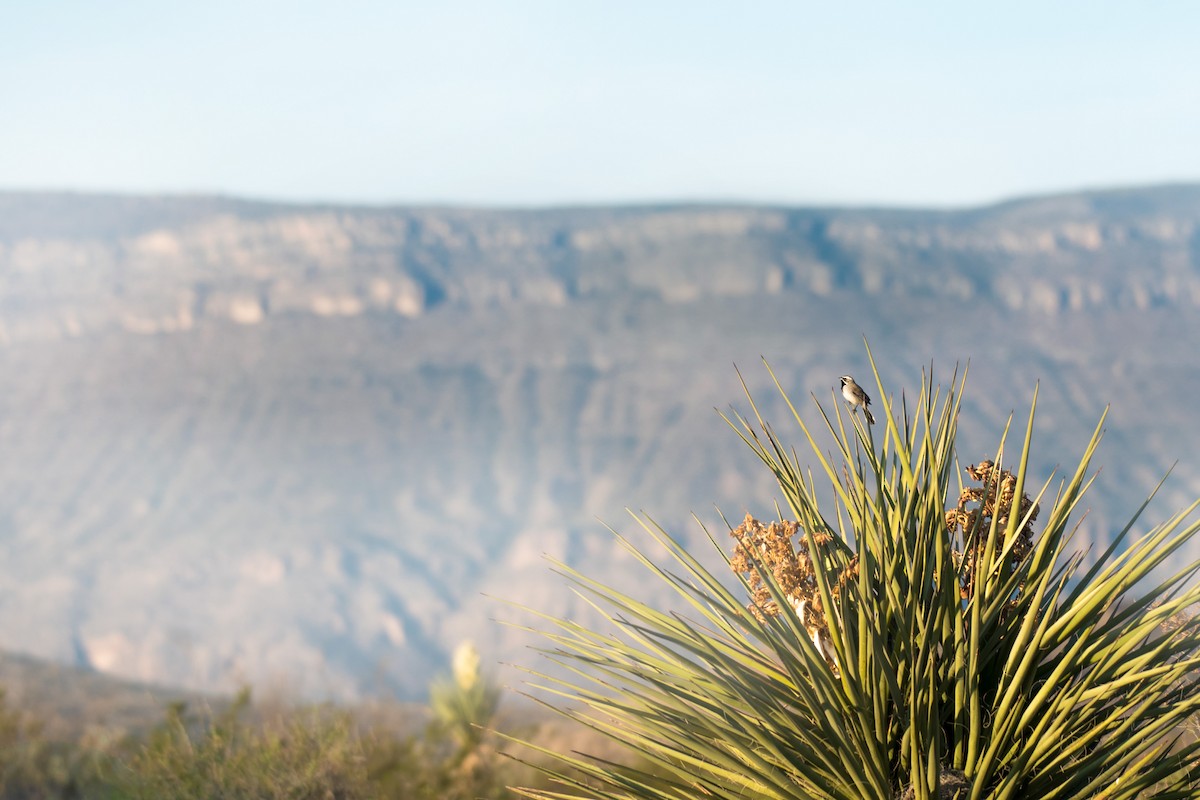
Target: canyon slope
{"points": [[314, 447]]}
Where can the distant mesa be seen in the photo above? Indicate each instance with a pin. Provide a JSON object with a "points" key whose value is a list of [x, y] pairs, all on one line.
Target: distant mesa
{"points": [[312, 444]]}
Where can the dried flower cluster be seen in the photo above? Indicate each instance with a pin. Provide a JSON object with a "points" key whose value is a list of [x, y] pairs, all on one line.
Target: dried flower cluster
{"points": [[977, 507], [771, 548]]}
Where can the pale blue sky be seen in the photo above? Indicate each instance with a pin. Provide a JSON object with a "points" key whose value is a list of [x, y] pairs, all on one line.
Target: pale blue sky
{"points": [[543, 102]]}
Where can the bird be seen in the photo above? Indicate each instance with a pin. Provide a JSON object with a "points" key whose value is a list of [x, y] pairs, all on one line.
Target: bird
{"points": [[856, 397]]}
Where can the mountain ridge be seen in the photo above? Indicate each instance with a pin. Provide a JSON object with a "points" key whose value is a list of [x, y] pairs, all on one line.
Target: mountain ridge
{"points": [[259, 443]]}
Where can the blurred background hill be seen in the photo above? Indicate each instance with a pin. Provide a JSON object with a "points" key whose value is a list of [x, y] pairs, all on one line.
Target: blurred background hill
{"points": [[315, 446]]}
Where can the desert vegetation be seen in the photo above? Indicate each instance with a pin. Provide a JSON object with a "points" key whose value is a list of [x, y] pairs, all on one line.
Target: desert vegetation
{"points": [[245, 750], [909, 626]]}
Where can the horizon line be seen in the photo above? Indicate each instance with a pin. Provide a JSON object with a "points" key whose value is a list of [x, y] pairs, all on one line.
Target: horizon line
{"points": [[665, 201]]}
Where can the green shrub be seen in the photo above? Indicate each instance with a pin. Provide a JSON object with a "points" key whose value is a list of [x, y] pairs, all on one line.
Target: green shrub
{"points": [[309, 755], [33, 765], [326, 754], [911, 636]]}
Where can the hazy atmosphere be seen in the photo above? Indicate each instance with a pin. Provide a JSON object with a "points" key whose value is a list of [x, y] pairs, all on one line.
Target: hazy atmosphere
{"points": [[539, 103], [323, 327]]}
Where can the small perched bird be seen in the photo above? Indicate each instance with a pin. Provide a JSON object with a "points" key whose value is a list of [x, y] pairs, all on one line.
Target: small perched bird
{"points": [[856, 397]]}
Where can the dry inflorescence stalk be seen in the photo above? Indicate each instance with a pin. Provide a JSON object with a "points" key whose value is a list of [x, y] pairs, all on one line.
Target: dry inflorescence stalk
{"points": [[770, 548], [977, 507]]}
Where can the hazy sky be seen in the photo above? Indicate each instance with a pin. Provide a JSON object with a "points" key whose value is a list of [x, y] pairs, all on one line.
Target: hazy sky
{"points": [[533, 102]]}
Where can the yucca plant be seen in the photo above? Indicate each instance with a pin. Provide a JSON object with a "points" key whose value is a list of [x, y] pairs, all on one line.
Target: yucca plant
{"points": [[464, 704], [913, 635]]}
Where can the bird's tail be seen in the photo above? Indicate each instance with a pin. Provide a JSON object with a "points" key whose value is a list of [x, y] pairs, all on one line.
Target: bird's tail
{"points": [[870, 416]]}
